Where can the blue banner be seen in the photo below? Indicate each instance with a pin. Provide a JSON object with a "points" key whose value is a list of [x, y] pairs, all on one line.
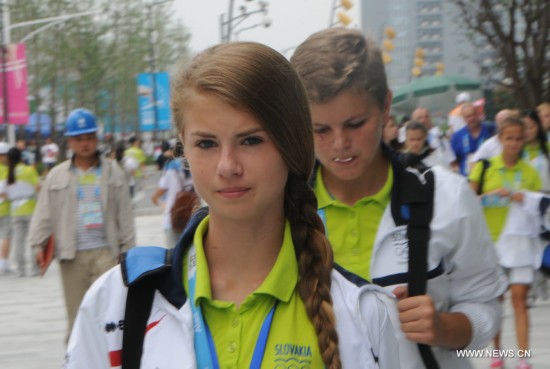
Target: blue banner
{"points": [[147, 103]]}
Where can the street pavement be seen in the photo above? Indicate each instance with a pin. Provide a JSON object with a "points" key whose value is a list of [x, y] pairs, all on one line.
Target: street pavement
{"points": [[33, 322]]}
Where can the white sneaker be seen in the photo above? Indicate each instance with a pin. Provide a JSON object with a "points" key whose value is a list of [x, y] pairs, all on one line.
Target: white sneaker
{"points": [[4, 267]]}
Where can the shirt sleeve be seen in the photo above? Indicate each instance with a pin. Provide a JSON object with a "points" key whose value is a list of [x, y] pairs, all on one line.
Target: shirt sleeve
{"points": [[476, 281], [537, 182], [87, 347]]}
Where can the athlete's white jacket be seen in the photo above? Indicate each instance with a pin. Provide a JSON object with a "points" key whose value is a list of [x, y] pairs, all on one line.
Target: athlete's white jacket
{"points": [[463, 276], [364, 330]]}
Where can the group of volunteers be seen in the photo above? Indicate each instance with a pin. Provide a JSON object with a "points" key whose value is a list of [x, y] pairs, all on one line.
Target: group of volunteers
{"points": [[302, 256], [83, 205], [19, 184], [510, 173]]}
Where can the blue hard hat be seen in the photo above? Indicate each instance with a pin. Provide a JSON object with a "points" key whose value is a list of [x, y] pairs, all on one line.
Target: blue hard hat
{"points": [[79, 122]]}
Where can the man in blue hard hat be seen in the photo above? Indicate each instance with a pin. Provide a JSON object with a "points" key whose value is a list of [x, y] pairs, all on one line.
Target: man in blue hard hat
{"points": [[84, 203]]}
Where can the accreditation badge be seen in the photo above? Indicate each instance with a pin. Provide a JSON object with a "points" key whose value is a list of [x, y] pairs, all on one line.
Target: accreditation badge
{"points": [[91, 215]]}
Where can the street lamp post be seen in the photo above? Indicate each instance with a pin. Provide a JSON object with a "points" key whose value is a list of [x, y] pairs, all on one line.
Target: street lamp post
{"points": [[152, 64], [227, 26], [6, 40]]}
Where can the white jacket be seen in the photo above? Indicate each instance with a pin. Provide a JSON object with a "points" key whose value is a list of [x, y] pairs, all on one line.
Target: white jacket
{"points": [[365, 331], [463, 276]]}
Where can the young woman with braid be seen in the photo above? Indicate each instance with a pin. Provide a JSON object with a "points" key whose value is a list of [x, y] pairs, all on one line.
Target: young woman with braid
{"points": [[252, 281], [359, 188]]}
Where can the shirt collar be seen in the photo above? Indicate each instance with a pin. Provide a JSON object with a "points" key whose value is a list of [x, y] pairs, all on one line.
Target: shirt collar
{"points": [[324, 198], [279, 283], [498, 163], [72, 167]]}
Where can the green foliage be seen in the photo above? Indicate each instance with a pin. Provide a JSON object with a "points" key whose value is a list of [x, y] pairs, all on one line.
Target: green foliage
{"points": [[92, 61]]}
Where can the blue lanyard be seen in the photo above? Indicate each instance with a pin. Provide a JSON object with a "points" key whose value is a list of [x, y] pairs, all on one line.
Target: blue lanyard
{"points": [[96, 187], [204, 343], [466, 143], [323, 216], [517, 180]]}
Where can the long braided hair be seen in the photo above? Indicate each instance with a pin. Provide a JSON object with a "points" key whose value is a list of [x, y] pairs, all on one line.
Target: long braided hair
{"points": [[257, 79], [14, 157]]}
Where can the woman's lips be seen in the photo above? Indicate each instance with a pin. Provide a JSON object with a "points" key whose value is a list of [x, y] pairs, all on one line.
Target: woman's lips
{"points": [[233, 192], [343, 160]]}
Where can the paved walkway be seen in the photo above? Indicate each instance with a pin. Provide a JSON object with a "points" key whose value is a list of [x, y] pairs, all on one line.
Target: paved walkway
{"points": [[32, 317]]}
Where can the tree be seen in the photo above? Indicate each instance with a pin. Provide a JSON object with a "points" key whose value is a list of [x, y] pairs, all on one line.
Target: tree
{"points": [[519, 33], [93, 61]]}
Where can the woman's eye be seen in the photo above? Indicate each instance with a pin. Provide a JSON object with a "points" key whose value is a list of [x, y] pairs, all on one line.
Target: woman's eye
{"points": [[320, 130], [253, 140], [357, 124], [206, 144]]}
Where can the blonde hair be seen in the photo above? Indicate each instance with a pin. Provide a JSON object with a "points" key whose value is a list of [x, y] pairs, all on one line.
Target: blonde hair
{"points": [[337, 59], [512, 121], [256, 79]]}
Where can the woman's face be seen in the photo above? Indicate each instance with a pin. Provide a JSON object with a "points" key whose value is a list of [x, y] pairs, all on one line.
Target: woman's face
{"points": [[512, 139], [415, 140], [348, 132], [236, 167], [531, 130]]}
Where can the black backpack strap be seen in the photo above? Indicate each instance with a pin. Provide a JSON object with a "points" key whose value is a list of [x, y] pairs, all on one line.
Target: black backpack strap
{"points": [[138, 308], [417, 192], [144, 270], [486, 165]]}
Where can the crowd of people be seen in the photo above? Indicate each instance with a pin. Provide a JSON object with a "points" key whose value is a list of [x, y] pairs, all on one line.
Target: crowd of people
{"points": [[328, 235], [508, 166]]}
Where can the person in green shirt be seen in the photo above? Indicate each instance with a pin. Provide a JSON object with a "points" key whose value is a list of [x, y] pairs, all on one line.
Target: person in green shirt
{"points": [[504, 179], [23, 181], [260, 286], [5, 223], [359, 185]]}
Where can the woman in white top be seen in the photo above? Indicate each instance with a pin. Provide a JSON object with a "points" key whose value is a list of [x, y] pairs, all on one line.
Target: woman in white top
{"points": [[259, 263]]}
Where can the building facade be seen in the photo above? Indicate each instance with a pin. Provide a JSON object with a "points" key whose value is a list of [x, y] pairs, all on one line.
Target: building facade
{"points": [[430, 25]]}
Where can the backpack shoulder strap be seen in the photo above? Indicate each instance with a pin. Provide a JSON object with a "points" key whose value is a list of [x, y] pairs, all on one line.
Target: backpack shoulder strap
{"points": [[142, 270], [417, 193], [486, 164], [138, 308]]}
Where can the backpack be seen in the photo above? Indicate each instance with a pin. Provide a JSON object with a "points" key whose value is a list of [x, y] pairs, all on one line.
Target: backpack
{"points": [[184, 204], [416, 187], [545, 265], [545, 235], [182, 209]]}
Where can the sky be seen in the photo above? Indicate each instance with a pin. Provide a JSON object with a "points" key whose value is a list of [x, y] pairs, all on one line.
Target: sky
{"points": [[292, 21]]}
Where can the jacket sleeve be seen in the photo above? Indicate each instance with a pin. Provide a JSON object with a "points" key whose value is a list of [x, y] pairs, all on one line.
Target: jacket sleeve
{"points": [[125, 213], [476, 279], [41, 227], [88, 347]]}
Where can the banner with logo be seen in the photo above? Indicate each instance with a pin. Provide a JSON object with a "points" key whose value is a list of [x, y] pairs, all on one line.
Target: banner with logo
{"points": [[13, 80], [147, 102]]}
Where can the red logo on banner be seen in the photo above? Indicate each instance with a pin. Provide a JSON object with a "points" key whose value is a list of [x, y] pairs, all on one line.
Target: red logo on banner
{"points": [[13, 79]]}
